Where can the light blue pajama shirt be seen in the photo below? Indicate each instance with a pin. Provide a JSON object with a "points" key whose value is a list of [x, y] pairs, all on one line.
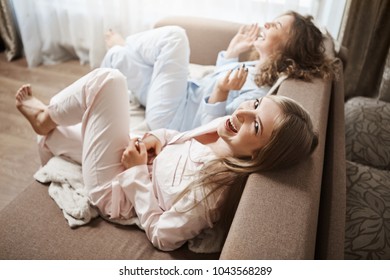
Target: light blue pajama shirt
{"points": [[194, 110]]}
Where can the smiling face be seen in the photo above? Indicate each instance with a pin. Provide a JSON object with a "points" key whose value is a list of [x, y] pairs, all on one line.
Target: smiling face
{"points": [[250, 127], [274, 36]]}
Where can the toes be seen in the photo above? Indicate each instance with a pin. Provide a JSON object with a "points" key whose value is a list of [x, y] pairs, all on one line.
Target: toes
{"points": [[29, 90], [24, 91], [19, 92]]}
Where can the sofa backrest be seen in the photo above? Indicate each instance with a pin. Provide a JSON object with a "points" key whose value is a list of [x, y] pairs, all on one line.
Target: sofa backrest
{"points": [[206, 36]]}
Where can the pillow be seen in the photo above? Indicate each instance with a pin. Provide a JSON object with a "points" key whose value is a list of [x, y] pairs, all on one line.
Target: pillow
{"points": [[197, 71], [367, 123], [384, 89], [367, 228]]}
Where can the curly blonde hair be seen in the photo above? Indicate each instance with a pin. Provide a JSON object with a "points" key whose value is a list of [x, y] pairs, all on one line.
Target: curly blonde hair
{"points": [[303, 56]]}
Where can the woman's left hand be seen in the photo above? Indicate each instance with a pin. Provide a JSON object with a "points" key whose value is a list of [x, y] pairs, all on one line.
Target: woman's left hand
{"points": [[135, 154], [232, 81]]}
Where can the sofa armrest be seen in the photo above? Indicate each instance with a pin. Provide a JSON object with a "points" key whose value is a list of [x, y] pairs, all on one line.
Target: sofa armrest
{"points": [[278, 212], [276, 218]]}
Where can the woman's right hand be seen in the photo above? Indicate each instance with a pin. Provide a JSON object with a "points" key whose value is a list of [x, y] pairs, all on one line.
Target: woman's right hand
{"points": [[135, 154], [243, 40], [153, 146]]}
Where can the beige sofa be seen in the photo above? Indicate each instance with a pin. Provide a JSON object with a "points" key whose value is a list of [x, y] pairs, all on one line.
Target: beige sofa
{"points": [[298, 213]]}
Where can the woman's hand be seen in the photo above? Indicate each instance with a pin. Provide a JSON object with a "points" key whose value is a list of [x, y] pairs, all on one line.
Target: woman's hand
{"points": [[135, 154], [243, 40], [231, 81], [153, 146]]}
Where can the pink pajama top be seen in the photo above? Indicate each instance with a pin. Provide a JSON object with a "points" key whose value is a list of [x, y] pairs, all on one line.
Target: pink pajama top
{"points": [[146, 194]]}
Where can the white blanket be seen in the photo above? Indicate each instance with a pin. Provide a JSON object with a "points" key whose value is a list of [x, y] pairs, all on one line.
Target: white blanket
{"points": [[67, 190]]}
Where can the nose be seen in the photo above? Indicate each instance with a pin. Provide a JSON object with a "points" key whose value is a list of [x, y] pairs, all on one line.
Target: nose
{"points": [[245, 114], [269, 25]]}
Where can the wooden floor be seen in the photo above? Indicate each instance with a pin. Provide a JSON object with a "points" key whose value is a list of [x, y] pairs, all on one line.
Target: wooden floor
{"points": [[18, 151]]}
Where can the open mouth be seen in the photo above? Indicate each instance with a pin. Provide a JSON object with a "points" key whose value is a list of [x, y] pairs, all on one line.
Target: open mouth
{"points": [[230, 125], [262, 36]]}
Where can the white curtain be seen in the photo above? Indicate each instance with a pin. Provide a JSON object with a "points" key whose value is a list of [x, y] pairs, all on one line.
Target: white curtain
{"points": [[56, 30]]}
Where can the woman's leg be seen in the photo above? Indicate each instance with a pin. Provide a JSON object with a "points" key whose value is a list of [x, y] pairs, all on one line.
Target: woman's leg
{"points": [[56, 140], [99, 101], [34, 110], [155, 64]]}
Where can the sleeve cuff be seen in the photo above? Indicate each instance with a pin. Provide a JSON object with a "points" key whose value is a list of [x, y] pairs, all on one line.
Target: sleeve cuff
{"points": [[215, 109], [221, 60]]}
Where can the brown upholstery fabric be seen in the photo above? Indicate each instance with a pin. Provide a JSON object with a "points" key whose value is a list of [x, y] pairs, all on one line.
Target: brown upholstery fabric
{"points": [[33, 227], [367, 231], [368, 208], [330, 235], [367, 123]]}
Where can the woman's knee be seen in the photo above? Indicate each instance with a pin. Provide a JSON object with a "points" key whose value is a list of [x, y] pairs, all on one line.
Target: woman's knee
{"points": [[115, 79], [177, 36], [177, 32], [113, 56], [107, 74], [105, 81]]}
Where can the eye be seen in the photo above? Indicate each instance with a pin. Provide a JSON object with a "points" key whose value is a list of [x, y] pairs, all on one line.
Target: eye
{"points": [[256, 103], [256, 127]]}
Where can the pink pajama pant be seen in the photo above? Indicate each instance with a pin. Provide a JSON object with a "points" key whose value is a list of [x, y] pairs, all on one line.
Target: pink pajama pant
{"points": [[92, 116]]}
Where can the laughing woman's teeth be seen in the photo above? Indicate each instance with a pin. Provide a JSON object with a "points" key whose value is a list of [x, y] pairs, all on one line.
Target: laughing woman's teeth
{"points": [[261, 36], [232, 125]]}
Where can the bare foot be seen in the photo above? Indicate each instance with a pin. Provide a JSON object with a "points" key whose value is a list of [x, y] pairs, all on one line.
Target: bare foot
{"points": [[34, 111], [113, 38]]}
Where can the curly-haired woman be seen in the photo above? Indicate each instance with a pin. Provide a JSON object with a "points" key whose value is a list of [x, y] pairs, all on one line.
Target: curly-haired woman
{"points": [[155, 63]]}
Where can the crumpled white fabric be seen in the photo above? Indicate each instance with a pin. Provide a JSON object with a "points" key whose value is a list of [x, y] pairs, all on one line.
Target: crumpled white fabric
{"points": [[67, 190]]}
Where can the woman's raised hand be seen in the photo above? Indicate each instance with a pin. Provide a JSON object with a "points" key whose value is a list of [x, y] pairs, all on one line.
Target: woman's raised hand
{"points": [[243, 40], [233, 80]]}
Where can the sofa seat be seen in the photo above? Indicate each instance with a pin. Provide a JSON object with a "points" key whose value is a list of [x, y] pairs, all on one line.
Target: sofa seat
{"points": [[37, 229]]}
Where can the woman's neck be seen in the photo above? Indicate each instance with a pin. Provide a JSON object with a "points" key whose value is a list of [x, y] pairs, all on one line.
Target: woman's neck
{"points": [[262, 60], [208, 138], [215, 143]]}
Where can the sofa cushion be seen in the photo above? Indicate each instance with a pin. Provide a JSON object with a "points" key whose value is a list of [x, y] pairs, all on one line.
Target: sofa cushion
{"points": [[384, 89], [367, 123], [367, 234], [33, 227]]}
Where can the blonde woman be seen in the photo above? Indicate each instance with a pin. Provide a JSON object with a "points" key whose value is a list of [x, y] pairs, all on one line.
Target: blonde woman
{"points": [[174, 183], [156, 62]]}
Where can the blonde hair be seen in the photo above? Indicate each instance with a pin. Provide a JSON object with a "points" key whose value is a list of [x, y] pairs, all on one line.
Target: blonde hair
{"points": [[293, 139], [302, 57]]}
